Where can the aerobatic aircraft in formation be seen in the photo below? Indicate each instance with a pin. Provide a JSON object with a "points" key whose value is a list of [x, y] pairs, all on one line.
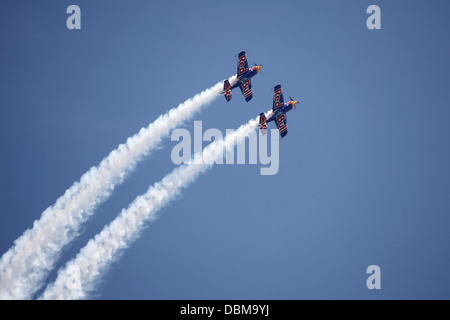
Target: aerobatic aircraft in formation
{"points": [[279, 109], [244, 74]]}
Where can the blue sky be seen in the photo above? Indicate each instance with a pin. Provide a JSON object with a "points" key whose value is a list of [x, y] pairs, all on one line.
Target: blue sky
{"points": [[364, 172]]}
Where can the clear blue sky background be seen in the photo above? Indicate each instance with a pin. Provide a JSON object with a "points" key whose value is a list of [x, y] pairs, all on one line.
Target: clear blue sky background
{"points": [[364, 172]]}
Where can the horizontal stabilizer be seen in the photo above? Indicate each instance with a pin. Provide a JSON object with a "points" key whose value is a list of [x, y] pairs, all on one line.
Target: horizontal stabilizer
{"points": [[226, 85], [227, 90], [263, 123]]}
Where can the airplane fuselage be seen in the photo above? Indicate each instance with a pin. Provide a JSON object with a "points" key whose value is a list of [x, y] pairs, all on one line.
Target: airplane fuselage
{"points": [[281, 111], [250, 73]]}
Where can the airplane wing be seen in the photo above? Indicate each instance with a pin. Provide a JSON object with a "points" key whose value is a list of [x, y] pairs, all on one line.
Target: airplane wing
{"points": [[278, 99], [281, 123], [242, 65], [246, 89]]}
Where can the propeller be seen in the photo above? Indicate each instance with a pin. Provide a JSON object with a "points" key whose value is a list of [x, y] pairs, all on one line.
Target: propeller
{"points": [[258, 65], [295, 106]]}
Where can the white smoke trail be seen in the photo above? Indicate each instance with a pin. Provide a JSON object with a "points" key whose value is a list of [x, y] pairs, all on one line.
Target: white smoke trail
{"points": [[79, 276], [25, 265]]}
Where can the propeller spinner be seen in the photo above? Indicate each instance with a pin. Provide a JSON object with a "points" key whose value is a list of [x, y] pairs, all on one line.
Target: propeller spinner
{"points": [[294, 102], [259, 67]]}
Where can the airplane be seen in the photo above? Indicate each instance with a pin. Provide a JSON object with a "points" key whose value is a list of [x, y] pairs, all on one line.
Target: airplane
{"points": [[244, 74], [279, 111]]}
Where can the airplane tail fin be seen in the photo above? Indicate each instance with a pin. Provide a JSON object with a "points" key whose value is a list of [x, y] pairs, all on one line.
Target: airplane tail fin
{"points": [[263, 123], [227, 90]]}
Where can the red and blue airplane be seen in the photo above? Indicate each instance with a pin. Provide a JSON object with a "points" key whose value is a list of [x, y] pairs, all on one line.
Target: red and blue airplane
{"points": [[244, 74], [279, 111]]}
